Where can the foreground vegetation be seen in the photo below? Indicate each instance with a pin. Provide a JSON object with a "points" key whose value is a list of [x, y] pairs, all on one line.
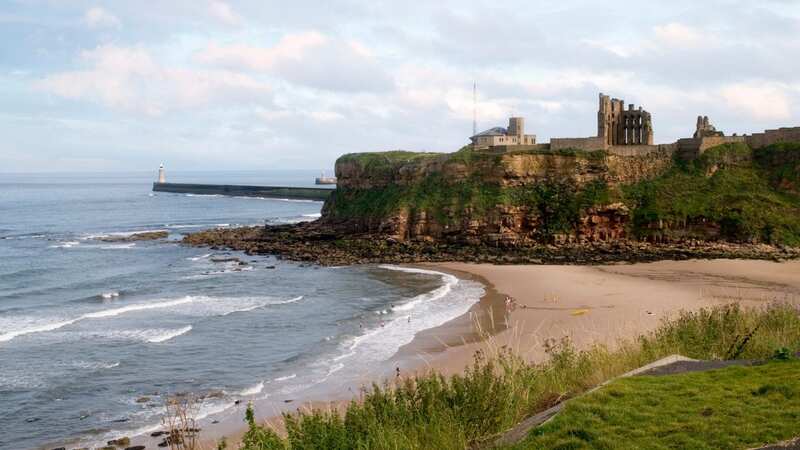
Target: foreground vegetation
{"points": [[736, 407], [500, 389]]}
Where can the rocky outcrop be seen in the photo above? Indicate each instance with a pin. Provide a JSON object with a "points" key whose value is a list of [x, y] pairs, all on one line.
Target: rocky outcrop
{"points": [[144, 236], [318, 243], [511, 198], [541, 206]]}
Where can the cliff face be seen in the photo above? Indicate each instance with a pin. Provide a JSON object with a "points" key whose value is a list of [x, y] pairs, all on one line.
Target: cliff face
{"points": [[521, 198], [513, 198]]}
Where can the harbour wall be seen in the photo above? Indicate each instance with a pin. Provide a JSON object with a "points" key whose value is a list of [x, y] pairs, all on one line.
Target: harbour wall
{"points": [[291, 193]]}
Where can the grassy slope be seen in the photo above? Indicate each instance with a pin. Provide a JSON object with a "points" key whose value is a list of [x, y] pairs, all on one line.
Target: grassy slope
{"points": [[736, 407], [726, 186], [499, 390]]}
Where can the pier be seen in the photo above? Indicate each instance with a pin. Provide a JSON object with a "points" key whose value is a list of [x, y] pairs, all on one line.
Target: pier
{"points": [[287, 192]]}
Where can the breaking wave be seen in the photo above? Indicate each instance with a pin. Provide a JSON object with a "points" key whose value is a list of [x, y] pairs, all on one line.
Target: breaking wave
{"points": [[201, 306], [253, 390], [165, 335]]}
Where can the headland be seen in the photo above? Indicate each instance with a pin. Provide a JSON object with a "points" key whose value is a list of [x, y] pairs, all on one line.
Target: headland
{"points": [[506, 199]]}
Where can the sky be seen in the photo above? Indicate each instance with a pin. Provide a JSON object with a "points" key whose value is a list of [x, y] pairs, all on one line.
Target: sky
{"points": [[124, 85]]}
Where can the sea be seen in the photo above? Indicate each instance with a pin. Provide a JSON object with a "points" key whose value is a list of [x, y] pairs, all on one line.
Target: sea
{"points": [[97, 335]]}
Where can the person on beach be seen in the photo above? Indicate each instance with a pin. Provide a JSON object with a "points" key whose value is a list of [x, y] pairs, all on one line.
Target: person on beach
{"points": [[511, 304]]}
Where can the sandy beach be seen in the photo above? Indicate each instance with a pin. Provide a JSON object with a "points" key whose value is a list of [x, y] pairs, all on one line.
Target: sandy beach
{"points": [[588, 304], [604, 303]]}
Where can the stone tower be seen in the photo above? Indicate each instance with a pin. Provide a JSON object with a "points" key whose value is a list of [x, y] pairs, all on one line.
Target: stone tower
{"points": [[516, 127], [618, 126]]}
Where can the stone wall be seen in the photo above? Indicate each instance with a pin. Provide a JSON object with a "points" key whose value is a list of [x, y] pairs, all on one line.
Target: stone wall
{"points": [[769, 137], [691, 148], [641, 150], [588, 143]]}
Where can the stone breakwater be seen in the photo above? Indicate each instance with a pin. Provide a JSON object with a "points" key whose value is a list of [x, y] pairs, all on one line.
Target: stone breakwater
{"points": [[319, 243]]}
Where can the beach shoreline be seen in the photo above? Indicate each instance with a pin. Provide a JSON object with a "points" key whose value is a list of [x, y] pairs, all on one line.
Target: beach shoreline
{"points": [[586, 304], [591, 304]]}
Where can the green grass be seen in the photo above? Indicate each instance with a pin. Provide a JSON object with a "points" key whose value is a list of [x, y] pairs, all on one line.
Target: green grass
{"points": [[782, 164], [725, 190], [736, 407], [500, 389], [378, 160]]}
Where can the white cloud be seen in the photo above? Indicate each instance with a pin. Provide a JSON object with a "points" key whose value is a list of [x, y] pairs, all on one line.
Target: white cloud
{"points": [[224, 13], [309, 58], [761, 101], [679, 35], [98, 17], [129, 79]]}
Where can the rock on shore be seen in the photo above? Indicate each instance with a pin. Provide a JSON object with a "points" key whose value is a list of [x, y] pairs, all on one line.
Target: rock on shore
{"points": [[321, 243], [144, 236]]}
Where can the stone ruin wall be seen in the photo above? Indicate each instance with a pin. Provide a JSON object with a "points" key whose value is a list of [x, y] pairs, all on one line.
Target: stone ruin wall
{"points": [[769, 137], [588, 143]]}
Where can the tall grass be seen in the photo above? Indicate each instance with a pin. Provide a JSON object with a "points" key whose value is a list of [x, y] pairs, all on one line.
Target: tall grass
{"points": [[500, 389]]}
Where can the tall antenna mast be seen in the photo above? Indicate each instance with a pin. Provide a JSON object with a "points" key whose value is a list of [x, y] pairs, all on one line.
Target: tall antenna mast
{"points": [[474, 108]]}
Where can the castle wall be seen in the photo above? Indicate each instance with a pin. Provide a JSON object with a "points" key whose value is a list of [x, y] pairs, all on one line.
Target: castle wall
{"points": [[769, 137], [691, 148], [642, 150], [589, 143]]}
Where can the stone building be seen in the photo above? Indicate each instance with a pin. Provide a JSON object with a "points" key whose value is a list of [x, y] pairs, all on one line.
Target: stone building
{"points": [[499, 136], [618, 126], [627, 132], [705, 129]]}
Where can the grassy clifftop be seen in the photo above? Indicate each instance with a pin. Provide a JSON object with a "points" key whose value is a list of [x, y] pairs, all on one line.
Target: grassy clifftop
{"points": [[730, 192]]}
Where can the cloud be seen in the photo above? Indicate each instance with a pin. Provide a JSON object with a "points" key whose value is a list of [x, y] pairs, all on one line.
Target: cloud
{"points": [[129, 79], [310, 59], [98, 17], [224, 13], [761, 101], [679, 35]]}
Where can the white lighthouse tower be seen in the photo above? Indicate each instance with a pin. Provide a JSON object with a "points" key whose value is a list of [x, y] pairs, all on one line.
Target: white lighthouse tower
{"points": [[162, 178]]}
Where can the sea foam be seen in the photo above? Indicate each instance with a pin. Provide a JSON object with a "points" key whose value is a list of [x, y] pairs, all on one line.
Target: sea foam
{"points": [[165, 335], [252, 390], [201, 306], [434, 308]]}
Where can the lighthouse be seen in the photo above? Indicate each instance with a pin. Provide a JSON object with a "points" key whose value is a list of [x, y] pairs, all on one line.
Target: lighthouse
{"points": [[162, 178]]}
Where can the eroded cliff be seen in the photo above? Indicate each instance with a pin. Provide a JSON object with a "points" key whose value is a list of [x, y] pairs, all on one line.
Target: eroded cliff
{"points": [[531, 197]]}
